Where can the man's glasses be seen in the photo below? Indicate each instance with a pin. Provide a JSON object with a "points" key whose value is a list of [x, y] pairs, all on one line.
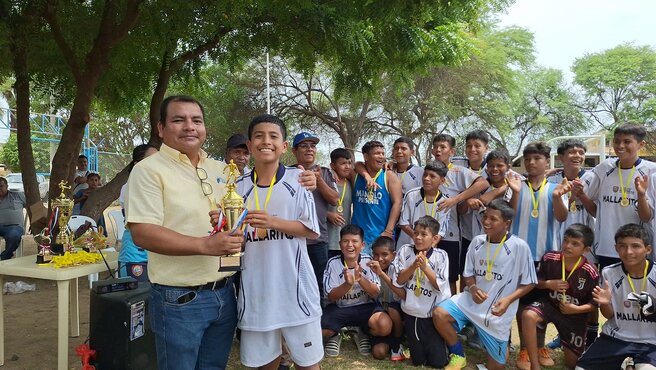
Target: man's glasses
{"points": [[307, 146], [205, 186]]}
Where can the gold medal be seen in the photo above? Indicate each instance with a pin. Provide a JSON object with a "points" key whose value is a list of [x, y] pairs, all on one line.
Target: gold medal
{"points": [[624, 202], [417, 292], [340, 209], [370, 196], [488, 276], [262, 233], [535, 213], [572, 207]]}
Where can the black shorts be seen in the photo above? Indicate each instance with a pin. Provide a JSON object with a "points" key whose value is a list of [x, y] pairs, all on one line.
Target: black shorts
{"points": [[607, 353], [426, 345], [464, 247], [335, 318], [390, 339], [452, 249], [534, 295], [571, 328]]}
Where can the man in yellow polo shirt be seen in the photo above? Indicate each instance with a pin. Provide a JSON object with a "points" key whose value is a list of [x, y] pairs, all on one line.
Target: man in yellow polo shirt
{"points": [[192, 305]]}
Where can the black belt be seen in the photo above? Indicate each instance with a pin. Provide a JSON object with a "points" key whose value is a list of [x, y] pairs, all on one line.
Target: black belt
{"points": [[212, 285]]}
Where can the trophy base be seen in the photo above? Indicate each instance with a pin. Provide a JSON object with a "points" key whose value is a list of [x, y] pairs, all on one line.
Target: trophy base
{"points": [[57, 249], [230, 263], [40, 258]]}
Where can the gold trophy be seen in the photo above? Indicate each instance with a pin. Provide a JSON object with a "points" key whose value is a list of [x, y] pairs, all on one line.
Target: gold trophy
{"points": [[233, 210], [64, 206]]}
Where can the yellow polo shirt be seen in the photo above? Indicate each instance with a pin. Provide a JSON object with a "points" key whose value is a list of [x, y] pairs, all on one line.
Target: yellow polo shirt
{"points": [[164, 189]]}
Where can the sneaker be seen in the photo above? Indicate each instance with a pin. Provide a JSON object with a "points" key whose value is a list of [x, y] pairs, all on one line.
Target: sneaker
{"points": [[456, 362], [545, 358], [555, 343], [398, 354], [332, 346], [362, 341], [628, 364], [523, 363], [511, 347], [475, 342], [466, 333]]}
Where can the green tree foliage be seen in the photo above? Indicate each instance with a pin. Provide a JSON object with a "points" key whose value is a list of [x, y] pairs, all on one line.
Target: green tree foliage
{"points": [[11, 160], [618, 84]]}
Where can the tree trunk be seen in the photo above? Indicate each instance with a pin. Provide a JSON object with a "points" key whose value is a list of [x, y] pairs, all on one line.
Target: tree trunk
{"points": [[23, 132], [100, 199], [156, 100]]}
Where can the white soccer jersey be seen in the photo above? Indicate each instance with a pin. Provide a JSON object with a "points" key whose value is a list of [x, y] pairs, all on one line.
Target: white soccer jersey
{"points": [[333, 277], [411, 178], [627, 322], [386, 294], [422, 305], [458, 179], [477, 214], [414, 207], [278, 285], [580, 216], [602, 185], [540, 233], [512, 268]]}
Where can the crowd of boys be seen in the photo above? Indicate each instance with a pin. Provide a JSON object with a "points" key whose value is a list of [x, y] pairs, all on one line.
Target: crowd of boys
{"points": [[376, 249]]}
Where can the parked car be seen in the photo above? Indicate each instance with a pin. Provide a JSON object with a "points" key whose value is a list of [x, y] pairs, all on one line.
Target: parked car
{"points": [[15, 181]]}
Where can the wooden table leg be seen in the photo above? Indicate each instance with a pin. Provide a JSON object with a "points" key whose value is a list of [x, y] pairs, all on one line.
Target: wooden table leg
{"points": [[63, 287], [2, 323], [75, 309]]}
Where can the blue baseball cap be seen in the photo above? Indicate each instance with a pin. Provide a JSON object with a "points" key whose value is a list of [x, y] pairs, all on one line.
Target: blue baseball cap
{"points": [[304, 136]]}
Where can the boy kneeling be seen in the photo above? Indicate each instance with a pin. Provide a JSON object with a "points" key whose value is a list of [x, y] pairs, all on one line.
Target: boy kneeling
{"points": [[627, 301], [570, 280], [351, 288], [498, 271]]}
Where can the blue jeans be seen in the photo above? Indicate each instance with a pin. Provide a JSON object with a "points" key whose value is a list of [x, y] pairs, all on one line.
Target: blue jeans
{"points": [[12, 235], [318, 254], [196, 334]]}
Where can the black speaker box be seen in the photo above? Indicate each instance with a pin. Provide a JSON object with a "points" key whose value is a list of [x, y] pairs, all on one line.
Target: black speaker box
{"points": [[119, 330]]}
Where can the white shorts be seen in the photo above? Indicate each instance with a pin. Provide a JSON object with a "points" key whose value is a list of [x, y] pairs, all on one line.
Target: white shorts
{"points": [[305, 343]]}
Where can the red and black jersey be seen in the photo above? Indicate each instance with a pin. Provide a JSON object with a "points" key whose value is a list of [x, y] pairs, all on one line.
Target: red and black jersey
{"points": [[581, 282]]}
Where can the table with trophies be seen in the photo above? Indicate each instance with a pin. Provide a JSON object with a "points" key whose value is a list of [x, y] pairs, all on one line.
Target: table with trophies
{"points": [[58, 260]]}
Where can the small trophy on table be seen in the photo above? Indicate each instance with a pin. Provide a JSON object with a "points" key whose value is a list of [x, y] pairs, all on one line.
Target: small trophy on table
{"points": [[62, 209], [232, 217]]}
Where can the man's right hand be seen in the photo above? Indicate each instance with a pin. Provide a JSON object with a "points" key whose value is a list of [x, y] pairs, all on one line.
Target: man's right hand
{"points": [[223, 244]]}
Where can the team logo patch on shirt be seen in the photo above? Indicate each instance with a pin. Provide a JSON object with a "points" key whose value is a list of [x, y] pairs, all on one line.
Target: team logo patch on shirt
{"points": [[219, 180], [481, 262], [137, 270], [627, 304], [581, 283], [615, 189]]}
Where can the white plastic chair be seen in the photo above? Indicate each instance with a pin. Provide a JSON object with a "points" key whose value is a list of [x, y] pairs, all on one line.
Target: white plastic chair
{"points": [[117, 221]]}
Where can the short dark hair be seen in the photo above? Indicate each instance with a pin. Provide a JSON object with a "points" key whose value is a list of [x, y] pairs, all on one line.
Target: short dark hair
{"points": [[498, 154], [537, 147], [478, 135], [82, 156], [437, 167], [428, 222], [507, 211], [138, 153], [93, 174], [569, 144], [445, 137], [406, 140], [631, 128], [351, 229], [267, 118], [369, 145], [339, 153], [580, 231], [383, 241], [163, 108], [633, 231], [3, 180]]}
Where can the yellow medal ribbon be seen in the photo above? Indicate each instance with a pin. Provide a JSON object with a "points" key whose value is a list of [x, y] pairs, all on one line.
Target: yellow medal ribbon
{"points": [[490, 263], [340, 209], [403, 176], [536, 200], [346, 268], [644, 279], [268, 196], [478, 171], [371, 191], [625, 201], [418, 280], [433, 207], [562, 260]]}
